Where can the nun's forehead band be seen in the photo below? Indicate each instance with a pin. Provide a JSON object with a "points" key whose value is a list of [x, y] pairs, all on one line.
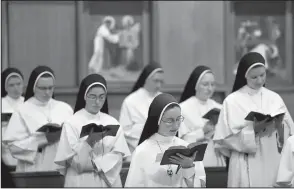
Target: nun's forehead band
{"points": [[95, 83], [10, 75], [40, 75], [200, 77], [253, 65], [163, 110], [154, 71]]}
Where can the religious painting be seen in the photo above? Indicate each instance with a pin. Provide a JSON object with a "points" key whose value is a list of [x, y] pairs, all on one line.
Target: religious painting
{"points": [[116, 36], [265, 33]]}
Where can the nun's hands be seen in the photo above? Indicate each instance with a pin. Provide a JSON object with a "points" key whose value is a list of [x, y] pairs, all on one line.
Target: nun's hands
{"points": [[208, 127], [183, 161], [264, 128], [259, 126], [94, 137], [53, 136]]}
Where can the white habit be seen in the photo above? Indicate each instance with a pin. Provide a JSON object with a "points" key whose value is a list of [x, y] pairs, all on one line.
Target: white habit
{"points": [[254, 159], [133, 115], [75, 155], [24, 141], [191, 130], [146, 171], [286, 168], [9, 105]]}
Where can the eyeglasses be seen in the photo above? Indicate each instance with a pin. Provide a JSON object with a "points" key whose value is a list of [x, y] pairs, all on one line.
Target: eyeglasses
{"points": [[94, 97], [45, 88], [171, 121]]}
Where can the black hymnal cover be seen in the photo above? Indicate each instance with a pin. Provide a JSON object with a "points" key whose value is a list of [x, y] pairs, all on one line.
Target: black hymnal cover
{"points": [[109, 130], [5, 116], [50, 127], [212, 115], [260, 116], [186, 151]]}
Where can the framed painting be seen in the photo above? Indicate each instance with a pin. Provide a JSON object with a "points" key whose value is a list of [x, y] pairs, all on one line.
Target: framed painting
{"points": [[116, 36], [265, 27]]}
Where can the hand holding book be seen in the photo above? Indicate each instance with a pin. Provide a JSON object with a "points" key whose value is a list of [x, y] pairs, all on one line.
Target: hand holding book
{"points": [[265, 124], [94, 137], [259, 126], [185, 151], [208, 127], [97, 132], [52, 132], [184, 156], [183, 161], [212, 115]]}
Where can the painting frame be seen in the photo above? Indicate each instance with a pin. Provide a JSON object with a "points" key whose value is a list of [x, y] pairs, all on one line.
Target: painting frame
{"points": [[84, 20], [232, 15]]}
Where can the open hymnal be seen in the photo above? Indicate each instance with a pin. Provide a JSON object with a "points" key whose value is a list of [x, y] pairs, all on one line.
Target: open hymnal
{"points": [[261, 117], [212, 115], [108, 130], [50, 127], [186, 151]]}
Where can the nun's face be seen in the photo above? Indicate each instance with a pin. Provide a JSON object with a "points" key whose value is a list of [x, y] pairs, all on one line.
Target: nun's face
{"points": [[44, 89], [95, 99], [205, 87], [256, 77], [170, 122], [14, 87], [154, 83]]}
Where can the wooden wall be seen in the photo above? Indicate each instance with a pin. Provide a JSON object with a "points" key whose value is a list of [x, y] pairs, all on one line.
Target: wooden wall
{"points": [[43, 33], [187, 37], [182, 36]]}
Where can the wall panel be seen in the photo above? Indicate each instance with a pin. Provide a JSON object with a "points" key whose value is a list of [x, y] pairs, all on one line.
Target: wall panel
{"points": [[188, 37], [43, 33]]}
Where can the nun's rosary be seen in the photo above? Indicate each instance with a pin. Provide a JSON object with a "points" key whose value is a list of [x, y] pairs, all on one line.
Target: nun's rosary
{"points": [[169, 170]]}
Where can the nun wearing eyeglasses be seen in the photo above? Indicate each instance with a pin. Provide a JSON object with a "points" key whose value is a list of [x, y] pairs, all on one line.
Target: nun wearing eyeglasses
{"points": [[163, 122], [195, 103], [253, 150], [90, 161], [34, 150], [11, 93], [135, 106], [285, 176]]}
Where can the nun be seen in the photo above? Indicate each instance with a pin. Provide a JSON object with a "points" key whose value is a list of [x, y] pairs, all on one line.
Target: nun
{"points": [[195, 103], [285, 176], [135, 106], [159, 133], [11, 93], [34, 150], [91, 161], [253, 150]]}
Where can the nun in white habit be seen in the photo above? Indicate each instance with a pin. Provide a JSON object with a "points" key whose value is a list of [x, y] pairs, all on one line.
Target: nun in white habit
{"points": [[285, 176], [91, 161], [34, 150], [253, 151], [195, 103], [163, 122], [11, 93], [135, 107]]}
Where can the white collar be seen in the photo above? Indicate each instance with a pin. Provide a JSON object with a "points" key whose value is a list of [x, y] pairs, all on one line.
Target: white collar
{"points": [[38, 102], [251, 91], [90, 115], [161, 138]]}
